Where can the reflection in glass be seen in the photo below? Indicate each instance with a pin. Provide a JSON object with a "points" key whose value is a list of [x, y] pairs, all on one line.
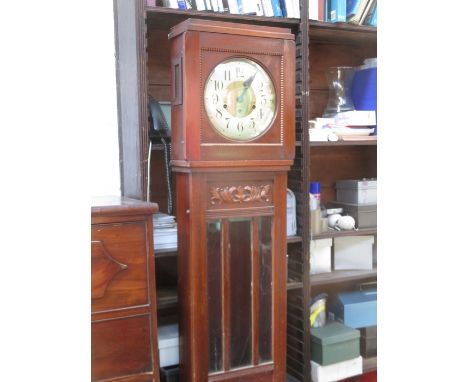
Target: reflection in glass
{"points": [[265, 312], [241, 296], [214, 261]]}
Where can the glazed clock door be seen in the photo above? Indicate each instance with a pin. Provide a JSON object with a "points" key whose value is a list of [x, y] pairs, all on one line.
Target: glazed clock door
{"points": [[240, 295]]}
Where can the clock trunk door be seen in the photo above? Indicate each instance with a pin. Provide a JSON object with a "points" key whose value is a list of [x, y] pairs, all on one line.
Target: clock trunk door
{"points": [[239, 287]]}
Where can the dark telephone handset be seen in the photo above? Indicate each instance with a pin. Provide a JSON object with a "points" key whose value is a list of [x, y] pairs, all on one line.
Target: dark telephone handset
{"points": [[159, 128]]}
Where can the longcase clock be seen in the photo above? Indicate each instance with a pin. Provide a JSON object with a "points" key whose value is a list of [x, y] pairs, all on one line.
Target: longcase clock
{"points": [[233, 143]]}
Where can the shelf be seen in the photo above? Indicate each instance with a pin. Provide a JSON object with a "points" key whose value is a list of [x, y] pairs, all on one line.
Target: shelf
{"points": [[159, 253], [290, 285], [340, 276], [333, 233], [342, 33], [344, 143], [294, 239], [166, 298], [166, 18], [369, 364]]}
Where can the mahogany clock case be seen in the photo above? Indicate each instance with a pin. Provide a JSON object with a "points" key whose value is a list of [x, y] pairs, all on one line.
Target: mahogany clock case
{"points": [[197, 46]]}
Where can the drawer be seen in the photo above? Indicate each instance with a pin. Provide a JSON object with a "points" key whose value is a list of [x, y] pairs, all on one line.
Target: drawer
{"points": [[121, 347], [119, 266]]}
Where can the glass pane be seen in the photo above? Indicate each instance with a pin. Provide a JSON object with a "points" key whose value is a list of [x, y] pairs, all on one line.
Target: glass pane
{"points": [[265, 311], [214, 260], [241, 295]]}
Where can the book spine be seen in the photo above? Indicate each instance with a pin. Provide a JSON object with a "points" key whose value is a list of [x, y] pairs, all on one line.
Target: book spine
{"points": [[373, 19], [259, 8], [313, 10], [351, 8], [369, 6], [267, 8], [233, 7], [225, 5], [276, 8], [283, 8], [200, 5], [181, 4], [321, 10], [337, 11]]}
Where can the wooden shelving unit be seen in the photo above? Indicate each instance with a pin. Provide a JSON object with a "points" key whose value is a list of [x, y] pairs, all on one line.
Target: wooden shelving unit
{"points": [[344, 143], [335, 277]]}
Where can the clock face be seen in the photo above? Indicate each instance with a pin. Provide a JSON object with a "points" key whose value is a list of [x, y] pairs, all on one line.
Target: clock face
{"points": [[240, 99]]}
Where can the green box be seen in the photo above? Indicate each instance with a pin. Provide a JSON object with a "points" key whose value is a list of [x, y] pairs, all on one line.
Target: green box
{"points": [[334, 343]]}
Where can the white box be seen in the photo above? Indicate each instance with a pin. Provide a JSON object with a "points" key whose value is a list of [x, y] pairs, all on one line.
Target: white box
{"points": [[320, 256], [356, 118], [353, 252], [291, 228], [168, 344], [336, 371], [360, 191]]}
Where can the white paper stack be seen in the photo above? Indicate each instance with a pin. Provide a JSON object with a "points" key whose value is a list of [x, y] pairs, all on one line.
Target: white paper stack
{"points": [[164, 231]]}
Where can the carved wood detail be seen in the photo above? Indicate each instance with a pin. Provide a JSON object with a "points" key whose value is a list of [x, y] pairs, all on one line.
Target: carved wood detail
{"points": [[240, 194], [103, 269]]}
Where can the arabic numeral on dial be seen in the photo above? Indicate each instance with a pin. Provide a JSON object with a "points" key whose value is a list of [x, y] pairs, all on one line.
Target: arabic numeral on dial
{"points": [[261, 113], [214, 98], [218, 85], [219, 114], [240, 127]]}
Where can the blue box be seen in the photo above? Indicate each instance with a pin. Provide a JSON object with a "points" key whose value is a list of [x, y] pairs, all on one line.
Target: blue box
{"points": [[356, 309], [364, 90]]}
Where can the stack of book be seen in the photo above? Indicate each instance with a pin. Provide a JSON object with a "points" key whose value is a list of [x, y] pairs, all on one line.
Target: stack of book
{"points": [[269, 8], [360, 12], [164, 232]]}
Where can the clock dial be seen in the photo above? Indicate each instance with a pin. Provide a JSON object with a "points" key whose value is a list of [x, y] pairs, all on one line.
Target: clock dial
{"points": [[240, 99]]}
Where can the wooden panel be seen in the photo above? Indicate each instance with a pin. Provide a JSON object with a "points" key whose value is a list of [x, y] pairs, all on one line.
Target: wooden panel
{"points": [[158, 180], [120, 347], [159, 61], [261, 373], [323, 56], [126, 285], [327, 165]]}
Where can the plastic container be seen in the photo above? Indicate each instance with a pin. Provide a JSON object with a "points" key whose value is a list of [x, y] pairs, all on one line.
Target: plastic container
{"points": [[360, 191], [291, 228], [168, 344], [314, 194], [318, 311], [320, 256], [364, 87], [353, 252]]}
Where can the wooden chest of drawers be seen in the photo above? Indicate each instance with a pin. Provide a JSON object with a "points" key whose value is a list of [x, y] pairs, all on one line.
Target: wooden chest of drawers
{"points": [[123, 292]]}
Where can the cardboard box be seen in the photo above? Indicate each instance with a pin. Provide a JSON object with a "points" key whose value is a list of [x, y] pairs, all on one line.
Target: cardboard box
{"points": [[336, 371], [334, 343], [365, 215], [168, 344], [361, 191], [353, 252], [368, 341], [320, 256], [356, 309]]}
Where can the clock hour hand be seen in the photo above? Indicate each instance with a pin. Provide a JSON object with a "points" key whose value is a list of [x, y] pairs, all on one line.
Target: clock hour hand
{"points": [[246, 85]]}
